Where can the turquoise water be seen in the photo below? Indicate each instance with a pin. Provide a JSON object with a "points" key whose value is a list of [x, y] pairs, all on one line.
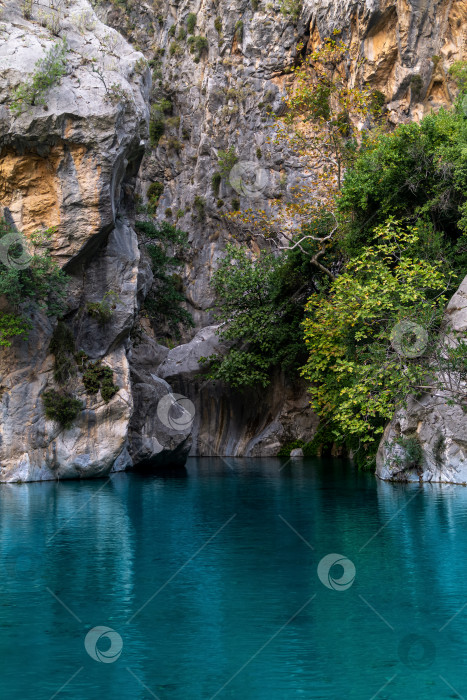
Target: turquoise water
{"points": [[209, 584]]}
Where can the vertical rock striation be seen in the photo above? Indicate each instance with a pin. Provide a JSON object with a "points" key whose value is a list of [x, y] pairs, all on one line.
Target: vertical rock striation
{"points": [[77, 163], [71, 164]]}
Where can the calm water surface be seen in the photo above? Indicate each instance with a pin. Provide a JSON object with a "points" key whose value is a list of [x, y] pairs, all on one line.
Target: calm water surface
{"points": [[210, 583]]}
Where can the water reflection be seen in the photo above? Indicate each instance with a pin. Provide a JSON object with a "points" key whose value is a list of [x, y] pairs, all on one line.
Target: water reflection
{"points": [[215, 570]]}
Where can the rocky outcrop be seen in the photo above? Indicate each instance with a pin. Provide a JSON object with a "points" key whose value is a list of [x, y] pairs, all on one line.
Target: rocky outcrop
{"points": [[249, 423], [74, 164], [428, 440], [71, 164], [161, 426], [227, 95]]}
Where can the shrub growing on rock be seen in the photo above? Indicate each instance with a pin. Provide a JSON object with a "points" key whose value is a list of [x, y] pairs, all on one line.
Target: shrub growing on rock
{"points": [[216, 183], [99, 377], [154, 192], [191, 22], [49, 71], [29, 280], [198, 44], [165, 245], [291, 9], [102, 310], [156, 129], [62, 346], [227, 160], [238, 31], [61, 406]]}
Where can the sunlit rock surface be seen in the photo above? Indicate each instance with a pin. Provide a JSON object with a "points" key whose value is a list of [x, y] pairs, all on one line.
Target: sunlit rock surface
{"points": [[72, 164], [77, 163]]}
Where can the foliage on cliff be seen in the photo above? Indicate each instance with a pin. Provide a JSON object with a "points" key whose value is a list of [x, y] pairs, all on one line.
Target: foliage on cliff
{"points": [[397, 250], [321, 125], [165, 245], [48, 72], [361, 335], [261, 305], [416, 173], [61, 407], [30, 281]]}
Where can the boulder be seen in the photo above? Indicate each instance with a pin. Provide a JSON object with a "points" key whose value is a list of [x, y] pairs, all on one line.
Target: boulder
{"points": [[161, 424]]}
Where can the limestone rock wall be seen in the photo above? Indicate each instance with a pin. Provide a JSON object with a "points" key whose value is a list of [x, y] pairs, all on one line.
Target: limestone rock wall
{"points": [[250, 423], [227, 95], [81, 163], [72, 164]]}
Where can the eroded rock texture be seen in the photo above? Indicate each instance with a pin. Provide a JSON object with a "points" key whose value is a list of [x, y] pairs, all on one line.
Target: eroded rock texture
{"points": [[251, 423], [76, 165], [227, 95], [72, 164]]}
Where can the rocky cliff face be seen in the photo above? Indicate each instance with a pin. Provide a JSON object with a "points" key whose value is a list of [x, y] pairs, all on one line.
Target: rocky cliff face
{"points": [[252, 423], [225, 96], [72, 164], [437, 428], [78, 163]]}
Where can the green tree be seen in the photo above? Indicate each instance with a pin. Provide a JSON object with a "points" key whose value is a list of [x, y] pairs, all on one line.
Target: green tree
{"points": [[48, 72], [261, 301], [359, 336], [417, 172]]}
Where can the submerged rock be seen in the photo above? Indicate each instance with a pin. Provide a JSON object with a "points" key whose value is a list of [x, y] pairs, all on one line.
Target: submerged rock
{"points": [[297, 453]]}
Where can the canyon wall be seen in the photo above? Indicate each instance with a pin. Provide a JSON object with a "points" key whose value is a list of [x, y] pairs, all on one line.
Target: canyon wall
{"points": [[71, 164], [227, 96], [84, 162]]}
